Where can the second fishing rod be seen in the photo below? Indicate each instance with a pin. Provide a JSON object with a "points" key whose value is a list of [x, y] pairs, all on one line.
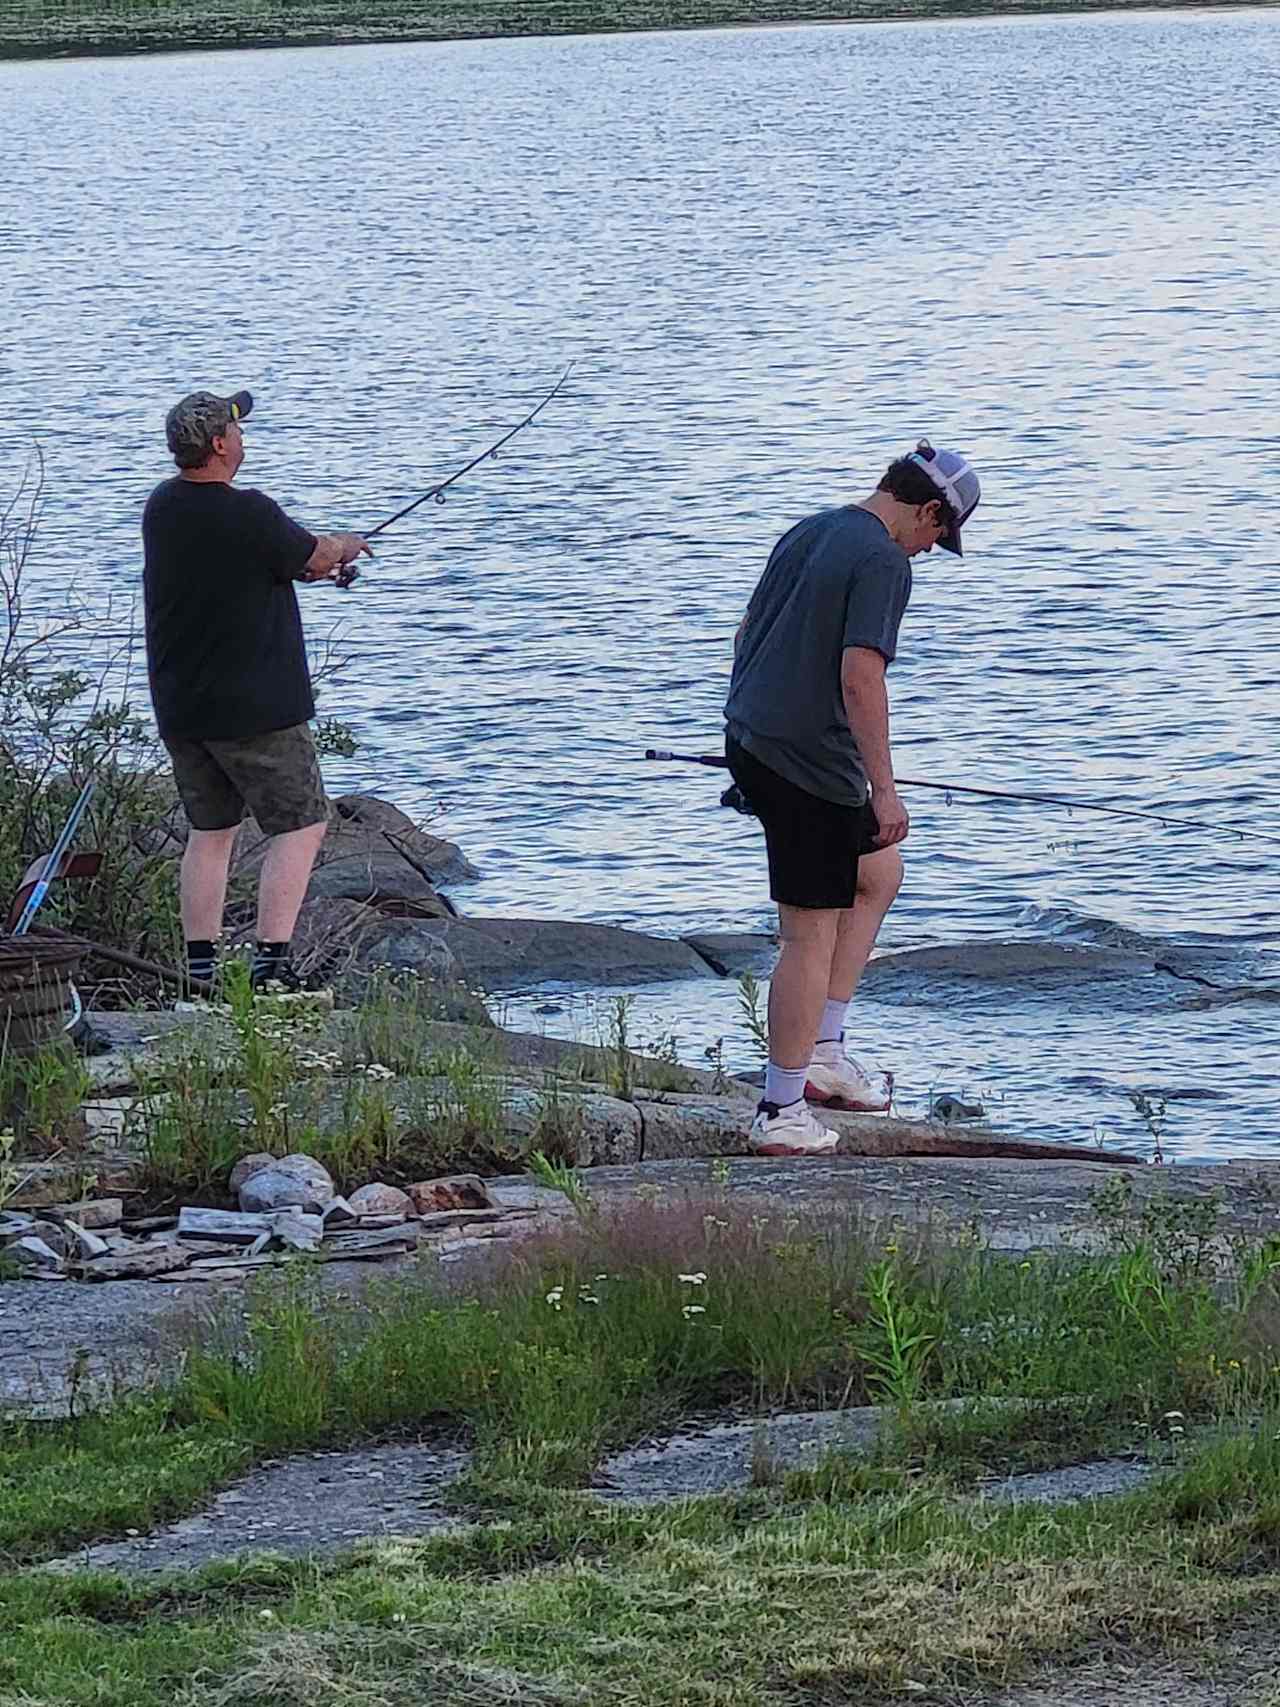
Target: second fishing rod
{"points": [[1167, 821]]}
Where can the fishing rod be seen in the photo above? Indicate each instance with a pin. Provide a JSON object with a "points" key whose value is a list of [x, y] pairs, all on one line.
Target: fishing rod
{"points": [[41, 889], [348, 573], [715, 762]]}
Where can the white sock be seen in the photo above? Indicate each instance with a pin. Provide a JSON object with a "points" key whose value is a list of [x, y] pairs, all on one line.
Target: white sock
{"points": [[784, 1085], [832, 1027]]}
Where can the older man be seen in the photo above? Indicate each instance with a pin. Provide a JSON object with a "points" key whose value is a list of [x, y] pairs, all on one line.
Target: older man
{"points": [[807, 740], [229, 677]]}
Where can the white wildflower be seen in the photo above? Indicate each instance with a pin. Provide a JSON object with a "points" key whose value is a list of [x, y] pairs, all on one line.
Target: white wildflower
{"points": [[693, 1310], [694, 1279]]}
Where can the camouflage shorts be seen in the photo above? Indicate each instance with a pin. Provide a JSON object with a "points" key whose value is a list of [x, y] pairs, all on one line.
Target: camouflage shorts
{"points": [[275, 776]]}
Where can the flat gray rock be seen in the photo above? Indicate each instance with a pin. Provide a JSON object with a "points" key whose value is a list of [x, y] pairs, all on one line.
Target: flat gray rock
{"points": [[319, 1502], [520, 953], [728, 1456]]}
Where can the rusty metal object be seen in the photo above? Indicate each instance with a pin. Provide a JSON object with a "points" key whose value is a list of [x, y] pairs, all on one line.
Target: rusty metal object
{"points": [[37, 998]]}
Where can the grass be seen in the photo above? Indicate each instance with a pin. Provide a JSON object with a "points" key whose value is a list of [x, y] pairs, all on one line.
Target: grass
{"points": [[626, 1324], [382, 1091], [865, 1579], [860, 1594]]}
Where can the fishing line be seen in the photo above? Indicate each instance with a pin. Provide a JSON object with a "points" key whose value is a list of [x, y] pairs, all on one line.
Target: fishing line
{"points": [[348, 574], [714, 762]]}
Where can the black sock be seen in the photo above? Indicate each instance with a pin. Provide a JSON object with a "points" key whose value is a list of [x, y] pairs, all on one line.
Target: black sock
{"points": [[268, 960], [200, 960]]}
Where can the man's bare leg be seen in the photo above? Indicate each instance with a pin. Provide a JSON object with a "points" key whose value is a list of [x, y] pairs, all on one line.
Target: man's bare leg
{"points": [[286, 871], [879, 880], [203, 883], [834, 1077], [800, 983]]}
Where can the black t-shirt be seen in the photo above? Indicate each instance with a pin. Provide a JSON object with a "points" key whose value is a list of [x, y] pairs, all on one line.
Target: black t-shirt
{"points": [[224, 636]]}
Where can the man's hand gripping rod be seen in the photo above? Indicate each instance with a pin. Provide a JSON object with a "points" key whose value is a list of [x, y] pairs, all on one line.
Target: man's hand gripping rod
{"points": [[348, 573]]}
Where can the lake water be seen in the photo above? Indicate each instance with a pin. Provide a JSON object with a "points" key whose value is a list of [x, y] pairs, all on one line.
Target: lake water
{"points": [[775, 257]]}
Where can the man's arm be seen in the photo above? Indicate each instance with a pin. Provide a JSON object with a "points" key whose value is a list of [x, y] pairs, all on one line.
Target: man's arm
{"points": [[866, 705], [333, 552]]}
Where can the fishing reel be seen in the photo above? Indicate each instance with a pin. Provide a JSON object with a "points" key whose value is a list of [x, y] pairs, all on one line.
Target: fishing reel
{"points": [[735, 798]]}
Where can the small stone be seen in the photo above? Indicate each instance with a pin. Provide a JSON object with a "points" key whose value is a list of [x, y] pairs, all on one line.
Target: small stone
{"points": [[379, 1199], [14, 1227], [108, 1117], [93, 1212], [338, 1213], [86, 1245], [246, 1167], [455, 1191], [298, 1232], [293, 1182], [34, 1254], [56, 1236]]}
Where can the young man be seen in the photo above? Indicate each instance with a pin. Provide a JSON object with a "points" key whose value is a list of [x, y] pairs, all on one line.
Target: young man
{"points": [[229, 677], [807, 739]]}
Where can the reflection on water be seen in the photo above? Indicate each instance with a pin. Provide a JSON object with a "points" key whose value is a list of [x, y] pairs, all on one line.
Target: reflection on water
{"points": [[776, 258]]}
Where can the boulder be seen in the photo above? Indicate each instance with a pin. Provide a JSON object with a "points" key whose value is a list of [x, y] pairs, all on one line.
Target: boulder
{"points": [[516, 953], [456, 1191], [374, 820], [332, 934], [379, 1199], [405, 945], [380, 879], [246, 1167], [293, 1182]]}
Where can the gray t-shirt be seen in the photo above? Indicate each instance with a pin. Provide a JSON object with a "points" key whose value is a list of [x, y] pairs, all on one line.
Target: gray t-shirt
{"points": [[835, 580]]}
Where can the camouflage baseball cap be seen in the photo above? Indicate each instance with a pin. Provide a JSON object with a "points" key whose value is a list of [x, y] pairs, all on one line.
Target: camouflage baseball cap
{"points": [[191, 426]]}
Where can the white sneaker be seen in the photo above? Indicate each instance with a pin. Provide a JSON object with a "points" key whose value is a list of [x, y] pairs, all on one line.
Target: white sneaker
{"points": [[836, 1080], [790, 1131]]}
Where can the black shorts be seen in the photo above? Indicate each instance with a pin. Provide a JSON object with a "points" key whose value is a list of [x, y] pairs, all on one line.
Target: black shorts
{"points": [[813, 844]]}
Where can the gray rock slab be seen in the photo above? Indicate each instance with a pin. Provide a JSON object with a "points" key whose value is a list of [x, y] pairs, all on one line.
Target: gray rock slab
{"points": [[144, 1263], [504, 954], [226, 1226], [1105, 1479], [725, 1456], [319, 1502], [1016, 1205], [323, 1502]]}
